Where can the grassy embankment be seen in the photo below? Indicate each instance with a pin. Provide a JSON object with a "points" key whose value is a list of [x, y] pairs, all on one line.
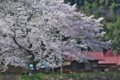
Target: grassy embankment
{"points": [[78, 76]]}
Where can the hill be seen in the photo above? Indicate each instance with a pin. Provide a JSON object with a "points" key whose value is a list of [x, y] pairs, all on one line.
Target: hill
{"points": [[110, 10]]}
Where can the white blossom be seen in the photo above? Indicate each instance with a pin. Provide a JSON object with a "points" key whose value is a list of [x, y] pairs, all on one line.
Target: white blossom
{"points": [[43, 30]]}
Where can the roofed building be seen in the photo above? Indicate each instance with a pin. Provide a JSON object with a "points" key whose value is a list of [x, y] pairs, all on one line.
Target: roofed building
{"points": [[109, 62], [76, 66]]}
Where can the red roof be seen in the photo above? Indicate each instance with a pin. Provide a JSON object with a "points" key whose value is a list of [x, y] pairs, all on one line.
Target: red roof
{"points": [[96, 55], [109, 60], [118, 63]]}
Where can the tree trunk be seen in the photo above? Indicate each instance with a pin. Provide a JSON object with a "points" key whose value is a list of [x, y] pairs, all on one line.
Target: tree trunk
{"points": [[61, 69], [34, 68], [61, 65], [33, 62], [30, 53]]}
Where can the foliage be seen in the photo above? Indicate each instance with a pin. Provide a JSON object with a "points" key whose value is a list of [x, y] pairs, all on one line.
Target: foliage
{"points": [[77, 76], [33, 77], [113, 32], [104, 7], [110, 10]]}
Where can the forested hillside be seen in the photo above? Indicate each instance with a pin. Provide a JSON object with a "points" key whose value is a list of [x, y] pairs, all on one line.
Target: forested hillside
{"points": [[110, 10]]}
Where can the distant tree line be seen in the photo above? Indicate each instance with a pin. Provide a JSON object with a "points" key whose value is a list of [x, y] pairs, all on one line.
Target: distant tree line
{"points": [[97, 7], [110, 10]]}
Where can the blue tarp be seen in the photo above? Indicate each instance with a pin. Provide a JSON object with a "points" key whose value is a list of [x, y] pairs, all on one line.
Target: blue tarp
{"points": [[44, 65]]}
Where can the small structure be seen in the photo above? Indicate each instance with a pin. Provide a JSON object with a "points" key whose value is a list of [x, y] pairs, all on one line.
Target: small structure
{"points": [[110, 63], [75, 66]]}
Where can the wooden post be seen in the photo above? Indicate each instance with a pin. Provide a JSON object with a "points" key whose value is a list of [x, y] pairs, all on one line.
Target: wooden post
{"points": [[62, 64]]}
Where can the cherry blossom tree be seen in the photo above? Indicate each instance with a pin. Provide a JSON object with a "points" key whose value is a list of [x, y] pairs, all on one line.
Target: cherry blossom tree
{"points": [[36, 31]]}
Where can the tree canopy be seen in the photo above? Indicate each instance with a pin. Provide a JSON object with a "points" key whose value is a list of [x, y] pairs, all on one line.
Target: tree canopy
{"points": [[36, 31]]}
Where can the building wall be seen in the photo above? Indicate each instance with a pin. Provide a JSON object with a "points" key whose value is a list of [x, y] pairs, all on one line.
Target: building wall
{"points": [[94, 64], [65, 69], [79, 67], [106, 65], [12, 70], [88, 66], [74, 65]]}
